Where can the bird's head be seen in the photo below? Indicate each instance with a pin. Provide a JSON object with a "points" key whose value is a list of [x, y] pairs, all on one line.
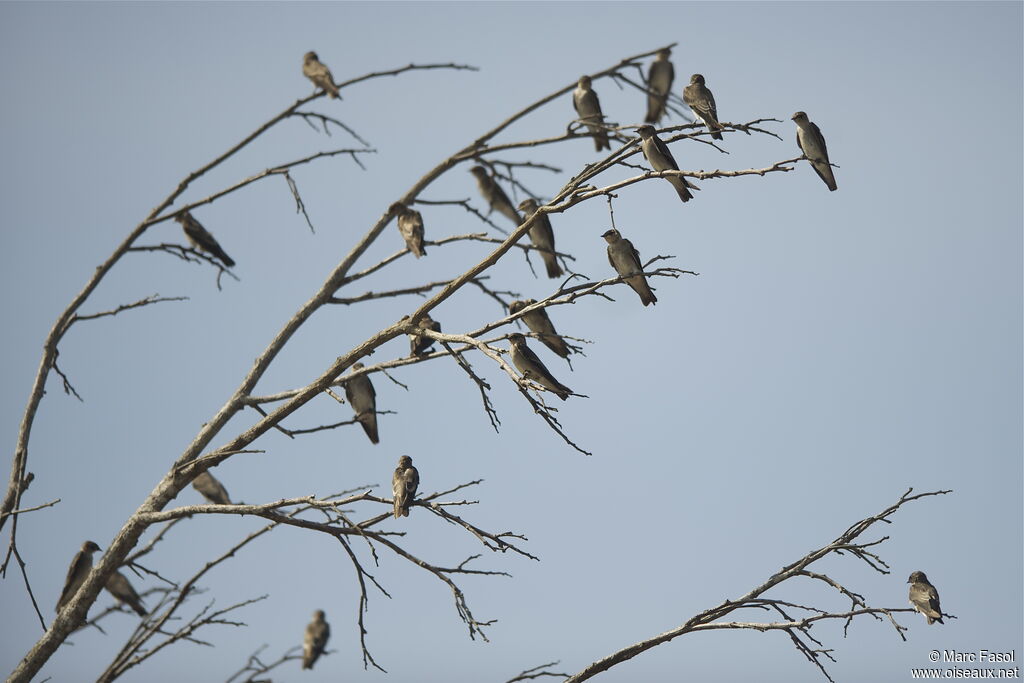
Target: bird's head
{"points": [[646, 132], [584, 82], [356, 367], [479, 171], [515, 339], [528, 205], [696, 79], [917, 577], [799, 117], [319, 615], [310, 57], [664, 53], [405, 461], [89, 547], [516, 306], [611, 236]]}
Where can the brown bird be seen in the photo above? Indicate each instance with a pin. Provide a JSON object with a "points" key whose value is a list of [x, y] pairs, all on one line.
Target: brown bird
{"points": [[625, 259], [702, 102], [419, 344], [496, 198], [661, 159], [211, 489], [321, 76], [120, 588], [410, 225], [79, 569], [812, 144], [363, 399], [924, 597], [201, 238], [527, 362], [659, 85], [541, 325], [588, 107], [542, 236], [404, 483], [315, 640]]}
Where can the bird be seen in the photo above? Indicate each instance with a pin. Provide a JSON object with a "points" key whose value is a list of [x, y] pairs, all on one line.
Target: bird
{"points": [[625, 259], [496, 198], [211, 488], [699, 98], [419, 344], [659, 85], [924, 597], [315, 640], [661, 159], [588, 107], [79, 569], [540, 324], [316, 71], [120, 588], [201, 238], [527, 362], [404, 483], [542, 236], [410, 225], [812, 144], [363, 399]]}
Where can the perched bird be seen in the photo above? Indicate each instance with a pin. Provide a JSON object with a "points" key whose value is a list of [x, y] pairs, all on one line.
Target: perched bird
{"points": [[211, 488], [363, 399], [924, 597], [120, 588], [410, 225], [526, 362], [201, 238], [404, 483], [659, 85], [496, 198], [661, 159], [588, 107], [812, 144], [318, 72], [315, 641], [702, 102], [542, 236], [625, 259], [419, 344], [80, 567], [540, 324]]}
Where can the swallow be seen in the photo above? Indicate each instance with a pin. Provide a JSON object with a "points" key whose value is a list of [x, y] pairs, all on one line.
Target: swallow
{"points": [[541, 325], [318, 72], [211, 488], [659, 85], [496, 198], [527, 362], [120, 588], [588, 108], [924, 597], [363, 399], [201, 238], [410, 225], [702, 102], [419, 344], [661, 159], [812, 144], [625, 259], [404, 483], [315, 640], [80, 567], [542, 236]]}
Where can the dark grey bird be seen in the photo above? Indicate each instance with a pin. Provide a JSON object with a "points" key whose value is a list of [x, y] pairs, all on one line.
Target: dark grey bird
{"points": [[363, 399], [211, 489], [625, 259], [812, 144], [699, 98], [542, 236], [527, 362], [79, 569], [661, 159], [201, 238], [495, 197], [314, 70], [315, 640], [404, 483], [659, 85], [419, 344], [924, 597], [588, 108], [120, 588], [410, 225], [540, 324]]}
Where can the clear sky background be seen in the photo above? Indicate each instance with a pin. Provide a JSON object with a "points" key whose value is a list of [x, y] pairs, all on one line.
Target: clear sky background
{"points": [[836, 349]]}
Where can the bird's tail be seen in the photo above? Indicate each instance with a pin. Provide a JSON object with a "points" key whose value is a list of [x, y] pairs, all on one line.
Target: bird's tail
{"points": [[551, 263]]}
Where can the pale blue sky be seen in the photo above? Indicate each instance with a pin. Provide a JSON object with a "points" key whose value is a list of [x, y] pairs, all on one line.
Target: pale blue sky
{"points": [[836, 348]]}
